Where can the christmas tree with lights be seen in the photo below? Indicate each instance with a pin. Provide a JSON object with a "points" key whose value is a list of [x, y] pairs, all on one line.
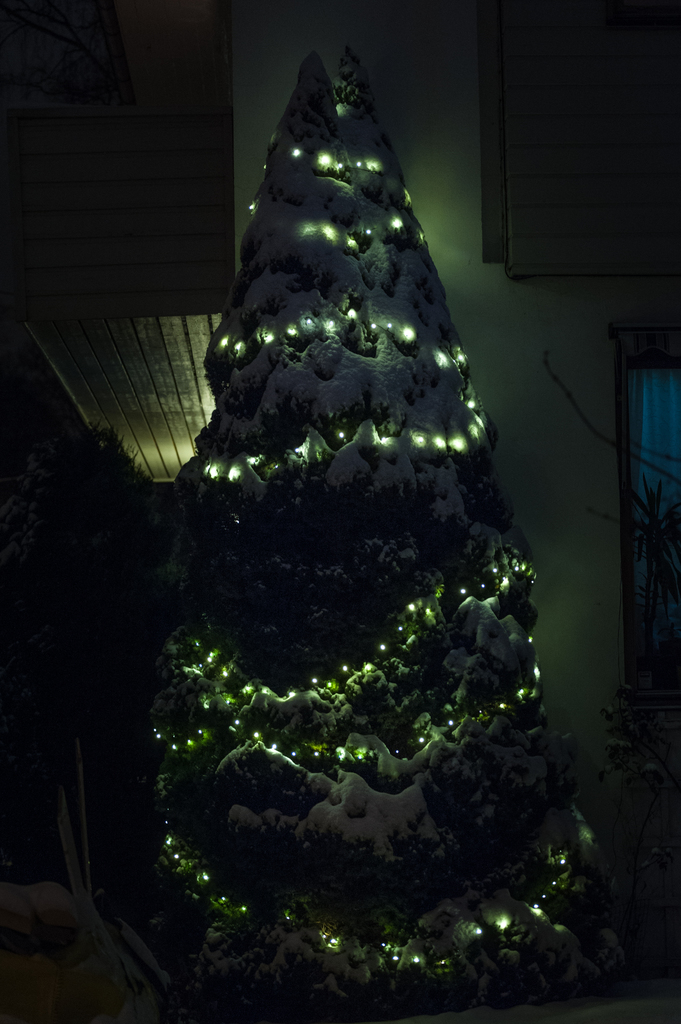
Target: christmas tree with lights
{"points": [[367, 815]]}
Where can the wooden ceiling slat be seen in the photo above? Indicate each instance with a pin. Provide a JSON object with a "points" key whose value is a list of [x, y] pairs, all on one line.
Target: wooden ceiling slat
{"points": [[49, 341], [152, 344], [127, 344], [79, 347], [179, 352], [200, 331], [104, 348]]}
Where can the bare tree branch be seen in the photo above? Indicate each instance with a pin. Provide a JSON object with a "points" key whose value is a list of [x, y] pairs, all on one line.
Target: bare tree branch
{"points": [[56, 48], [608, 440]]}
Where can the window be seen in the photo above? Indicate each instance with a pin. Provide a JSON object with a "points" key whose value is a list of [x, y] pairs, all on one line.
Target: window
{"points": [[644, 13], [648, 359]]}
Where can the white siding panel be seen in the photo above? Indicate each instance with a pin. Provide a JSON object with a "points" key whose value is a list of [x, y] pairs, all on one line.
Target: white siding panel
{"points": [[554, 13], [181, 302], [555, 71], [174, 163], [606, 250], [604, 100], [593, 159], [591, 141], [82, 131], [113, 195], [158, 249], [120, 202], [585, 40], [617, 220], [589, 129], [130, 223], [144, 277], [597, 190]]}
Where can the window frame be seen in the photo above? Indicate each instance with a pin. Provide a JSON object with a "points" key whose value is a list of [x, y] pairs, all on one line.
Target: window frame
{"points": [[637, 345]]}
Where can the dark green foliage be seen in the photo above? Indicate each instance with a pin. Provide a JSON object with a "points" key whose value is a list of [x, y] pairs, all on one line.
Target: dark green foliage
{"points": [[356, 748], [88, 588]]}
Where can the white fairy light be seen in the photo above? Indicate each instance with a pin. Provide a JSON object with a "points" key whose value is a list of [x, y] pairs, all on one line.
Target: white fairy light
{"points": [[409, 334], [296, 152], [470, 404]]}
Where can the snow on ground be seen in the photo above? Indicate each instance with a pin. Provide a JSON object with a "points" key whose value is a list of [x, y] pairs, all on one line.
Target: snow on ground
{"points": [[632, 1002]]}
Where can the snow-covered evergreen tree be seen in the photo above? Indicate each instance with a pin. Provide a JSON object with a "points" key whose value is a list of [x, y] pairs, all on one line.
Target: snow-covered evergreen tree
{"points": [[366, 810]]}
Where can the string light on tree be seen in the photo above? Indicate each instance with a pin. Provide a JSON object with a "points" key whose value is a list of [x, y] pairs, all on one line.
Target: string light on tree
{"points": [[342, 493]]}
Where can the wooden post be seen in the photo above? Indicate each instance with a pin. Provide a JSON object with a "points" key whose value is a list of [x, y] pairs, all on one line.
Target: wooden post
{"points": [[68, 845], [83, 820]]}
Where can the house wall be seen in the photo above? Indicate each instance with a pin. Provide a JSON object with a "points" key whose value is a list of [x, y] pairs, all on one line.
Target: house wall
{"points": [[423, 66]]}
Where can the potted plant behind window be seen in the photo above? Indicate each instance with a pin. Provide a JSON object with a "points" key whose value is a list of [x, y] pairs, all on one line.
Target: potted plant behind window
{"points": [[658, 540]]}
